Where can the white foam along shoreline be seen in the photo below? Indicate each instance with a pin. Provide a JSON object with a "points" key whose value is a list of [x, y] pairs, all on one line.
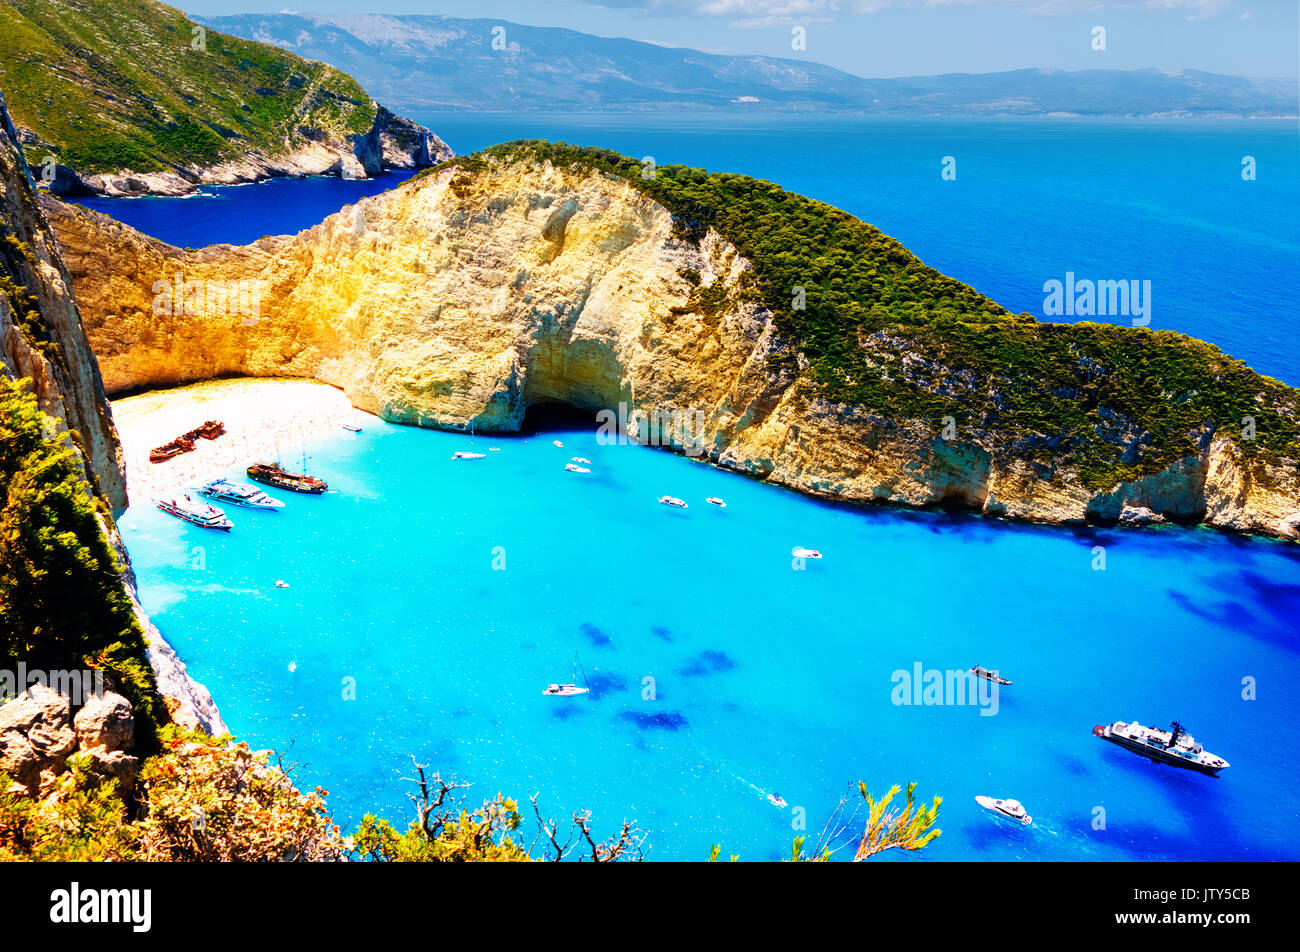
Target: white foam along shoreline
{"points": [[264, 417]]}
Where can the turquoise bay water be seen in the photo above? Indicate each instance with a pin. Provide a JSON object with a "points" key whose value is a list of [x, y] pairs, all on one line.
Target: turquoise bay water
{"points": [[769, 679], [766, 678]]}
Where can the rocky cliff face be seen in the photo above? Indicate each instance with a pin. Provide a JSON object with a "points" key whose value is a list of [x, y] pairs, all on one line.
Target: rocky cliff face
{"points": [[462, 299], [40, 331], [41, 338]]}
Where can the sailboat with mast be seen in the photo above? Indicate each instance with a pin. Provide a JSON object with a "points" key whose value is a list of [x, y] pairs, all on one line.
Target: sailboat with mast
{"points": [[570, 690], [273, 474]]}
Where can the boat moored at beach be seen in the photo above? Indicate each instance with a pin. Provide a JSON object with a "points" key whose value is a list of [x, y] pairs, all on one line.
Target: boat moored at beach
{"points": [[195, 513], [273, 474], [241, 494], [1175, 746], [1011, 809]]}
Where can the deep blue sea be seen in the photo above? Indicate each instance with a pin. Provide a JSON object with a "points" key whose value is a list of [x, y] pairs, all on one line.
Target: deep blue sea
{"points": [[450, 593]]}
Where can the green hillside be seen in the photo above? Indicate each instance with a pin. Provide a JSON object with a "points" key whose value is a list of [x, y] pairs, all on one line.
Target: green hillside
{"points": [[113, 85]]}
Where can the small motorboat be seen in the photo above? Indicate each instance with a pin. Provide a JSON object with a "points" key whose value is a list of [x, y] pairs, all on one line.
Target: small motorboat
{"points": [[583, 460], [1011, 809], [351, 427], [463, 455], [777, 800], [558, 443], [799, 552], [195, 513], [674, 502], [241, 494], [988, 675], [494, 449], [716, 501], [281, 583], [575, 468]]}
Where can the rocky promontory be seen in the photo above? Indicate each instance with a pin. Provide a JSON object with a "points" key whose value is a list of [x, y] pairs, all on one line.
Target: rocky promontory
{"points": [[464, 297]]}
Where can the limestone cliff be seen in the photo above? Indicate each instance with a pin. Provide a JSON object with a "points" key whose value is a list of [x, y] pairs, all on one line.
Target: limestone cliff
{"points": [[464, 298], [41, 338]]}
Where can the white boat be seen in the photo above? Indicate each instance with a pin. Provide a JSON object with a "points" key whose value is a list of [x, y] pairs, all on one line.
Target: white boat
{"points": [[352, 427], [716, 501], [673, 501], [799, 552], [463, 455], [777, 800], [195, 513], [558, 443], [575, 468], [1011, 809], [583, 460], [241, 494], [569, 690]]}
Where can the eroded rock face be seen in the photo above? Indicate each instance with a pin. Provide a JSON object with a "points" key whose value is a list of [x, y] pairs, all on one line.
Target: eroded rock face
{"points": [[456, 301], [105, 721], [51, 349], [39, 732], [36, 737]]}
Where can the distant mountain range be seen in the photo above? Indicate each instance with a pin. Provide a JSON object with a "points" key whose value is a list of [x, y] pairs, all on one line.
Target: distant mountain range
{"points": [[434, 62]]}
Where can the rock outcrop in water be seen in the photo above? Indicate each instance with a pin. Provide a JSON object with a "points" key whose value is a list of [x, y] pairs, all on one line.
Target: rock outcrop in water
{"points": [[463, 298]]}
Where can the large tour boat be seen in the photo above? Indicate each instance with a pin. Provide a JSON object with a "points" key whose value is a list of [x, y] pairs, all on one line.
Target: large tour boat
{"points": [[241, 494], [273, 474], [195, 513], [1175, 746]]}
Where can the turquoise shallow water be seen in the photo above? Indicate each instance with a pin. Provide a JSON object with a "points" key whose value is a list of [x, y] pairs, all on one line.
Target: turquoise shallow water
{"points": [[767, 678]]}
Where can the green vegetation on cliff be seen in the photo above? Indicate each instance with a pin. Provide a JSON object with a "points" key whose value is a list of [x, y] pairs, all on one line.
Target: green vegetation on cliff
{"points": [[63, 605], [870, 325], [116, 85]]}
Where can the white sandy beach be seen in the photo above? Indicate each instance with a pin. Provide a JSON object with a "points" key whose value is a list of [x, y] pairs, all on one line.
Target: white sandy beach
{"points": [[265, 418]]}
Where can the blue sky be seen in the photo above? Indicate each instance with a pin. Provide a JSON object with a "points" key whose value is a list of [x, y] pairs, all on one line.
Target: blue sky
{"points": [[1257, 38]]}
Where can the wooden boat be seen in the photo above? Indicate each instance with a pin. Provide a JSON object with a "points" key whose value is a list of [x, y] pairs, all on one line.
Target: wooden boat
{"points": [[273, 474], [210, 430], [160, 454]]}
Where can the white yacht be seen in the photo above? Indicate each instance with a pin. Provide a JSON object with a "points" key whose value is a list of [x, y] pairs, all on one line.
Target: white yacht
{"points": [[575, 468], [241, 494], [1007, 808], [195, 513], [673, 501], [1175, 746], [799, 552], [464, 455]]}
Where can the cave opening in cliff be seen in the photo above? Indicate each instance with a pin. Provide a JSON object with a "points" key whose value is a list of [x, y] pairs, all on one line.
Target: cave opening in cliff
{"points": [[548, 416]]}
